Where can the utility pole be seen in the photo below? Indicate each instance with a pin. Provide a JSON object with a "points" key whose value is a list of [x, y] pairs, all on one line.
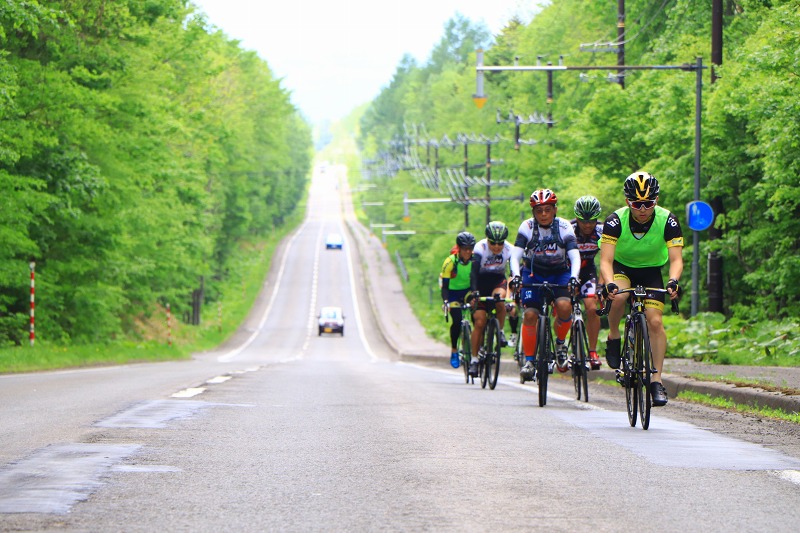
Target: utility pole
{"points": [[621, 41], [715, 280]]}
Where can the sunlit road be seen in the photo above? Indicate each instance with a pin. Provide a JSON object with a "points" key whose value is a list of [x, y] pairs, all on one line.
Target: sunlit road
{"points": [[291, 431]]}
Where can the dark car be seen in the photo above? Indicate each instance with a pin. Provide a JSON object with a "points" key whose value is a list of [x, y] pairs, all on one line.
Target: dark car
{"points": [[334, 242], [331, 320]]}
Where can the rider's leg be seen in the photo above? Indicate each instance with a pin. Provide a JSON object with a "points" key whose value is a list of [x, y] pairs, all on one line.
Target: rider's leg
{"points": [[658, 339], [563, 318], [478, 325], [501, 307], [530, 321], [455, 327], [592, 321]]}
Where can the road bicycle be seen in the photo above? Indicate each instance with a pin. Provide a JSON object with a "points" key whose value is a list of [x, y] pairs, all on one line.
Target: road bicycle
{"points": [[579, 350], [464, 338], [636, 356], [545, 342], [489, 352]]}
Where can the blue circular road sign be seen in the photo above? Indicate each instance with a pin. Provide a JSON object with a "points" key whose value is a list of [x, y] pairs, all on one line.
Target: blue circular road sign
{"points": [[699, 215]]}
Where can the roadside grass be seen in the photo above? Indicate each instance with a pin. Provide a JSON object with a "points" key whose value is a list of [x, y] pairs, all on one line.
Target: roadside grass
{"points": [[728, 404], [733, 379], [219, 320]]}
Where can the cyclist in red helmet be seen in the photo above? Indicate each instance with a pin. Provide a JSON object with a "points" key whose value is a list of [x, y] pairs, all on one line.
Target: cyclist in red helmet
{"points": [[547, 246], [637, 241]]}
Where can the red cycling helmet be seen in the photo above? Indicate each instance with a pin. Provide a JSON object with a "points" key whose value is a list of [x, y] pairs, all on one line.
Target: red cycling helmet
{"points": [[543, 197]]}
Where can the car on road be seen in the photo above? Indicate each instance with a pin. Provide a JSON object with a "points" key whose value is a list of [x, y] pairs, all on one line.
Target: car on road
{"points": [[331, 320], [334, 241]]}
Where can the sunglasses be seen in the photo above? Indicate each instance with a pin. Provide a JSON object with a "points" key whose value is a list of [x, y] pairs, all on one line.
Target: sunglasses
{"points": [[642, 205], [495, 243]]}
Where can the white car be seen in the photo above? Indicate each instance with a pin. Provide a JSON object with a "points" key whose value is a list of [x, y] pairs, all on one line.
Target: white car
{"points": [[331, 320], [334, 241]]}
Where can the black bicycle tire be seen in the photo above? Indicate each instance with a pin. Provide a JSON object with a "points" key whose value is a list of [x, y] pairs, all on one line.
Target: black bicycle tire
{"points": [[629, 377], [494, 366], [580, 372], [645, 400], [487, 355], [542, 359], [466, 334]]}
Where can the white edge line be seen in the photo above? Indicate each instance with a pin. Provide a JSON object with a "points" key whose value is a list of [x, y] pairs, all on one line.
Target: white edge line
{"points": [[356, 312], [236, 351]]}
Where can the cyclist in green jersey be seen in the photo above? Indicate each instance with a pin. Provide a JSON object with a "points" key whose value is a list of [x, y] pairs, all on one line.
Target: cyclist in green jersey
{"points": [[637, 241], [455, 276]]}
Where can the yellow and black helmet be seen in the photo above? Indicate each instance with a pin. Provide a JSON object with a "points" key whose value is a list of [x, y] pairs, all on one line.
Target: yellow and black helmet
{"points": [[641, 186]]}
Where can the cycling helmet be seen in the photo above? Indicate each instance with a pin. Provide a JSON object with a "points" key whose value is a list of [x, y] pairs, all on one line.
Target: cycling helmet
{"points": [[465, 238], [587, 208], [641, 186], [496, 231], [542, 197]]}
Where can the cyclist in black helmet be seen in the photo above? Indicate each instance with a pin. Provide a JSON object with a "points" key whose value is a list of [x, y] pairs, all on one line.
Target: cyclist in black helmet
{"points": [[587, 232], [455, 276], [489, 278], [637, 241]]}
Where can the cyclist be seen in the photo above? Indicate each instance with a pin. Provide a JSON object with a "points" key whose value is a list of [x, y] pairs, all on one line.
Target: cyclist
{"points": [[587, 232], [489, 278], [455, 276], [637, 241], [546, 244]]}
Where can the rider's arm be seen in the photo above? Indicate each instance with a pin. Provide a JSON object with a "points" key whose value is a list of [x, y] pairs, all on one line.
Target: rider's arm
{"points": [[445, 289], [474, 274], [575, 263], [516, 257], [675, 262]]}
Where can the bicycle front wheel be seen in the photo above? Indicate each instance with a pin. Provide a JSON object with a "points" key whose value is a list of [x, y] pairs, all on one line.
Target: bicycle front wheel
{"points": [[629, 376], [466, 356], [493, 355], [544, 353], [643, 371], [580, 373]]}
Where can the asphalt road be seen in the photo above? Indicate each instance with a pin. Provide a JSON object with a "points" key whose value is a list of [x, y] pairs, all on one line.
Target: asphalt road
{"points": [[285, 430]]}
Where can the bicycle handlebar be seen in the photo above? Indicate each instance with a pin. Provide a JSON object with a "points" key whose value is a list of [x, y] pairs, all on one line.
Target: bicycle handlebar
{"points": [[639, 292]]}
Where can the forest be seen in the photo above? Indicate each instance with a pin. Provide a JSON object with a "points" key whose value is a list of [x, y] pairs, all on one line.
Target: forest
{"points": [[589, 130], [140, 150]]}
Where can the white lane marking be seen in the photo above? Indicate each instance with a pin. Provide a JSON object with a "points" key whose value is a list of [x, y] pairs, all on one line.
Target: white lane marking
{"points": [[790, 475], [312, 314], [236, 351], [356, 308], [218, 379], [190, 392]]}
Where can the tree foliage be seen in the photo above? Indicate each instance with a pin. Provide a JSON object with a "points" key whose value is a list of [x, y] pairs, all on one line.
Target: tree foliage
{"points": [[138, 147], [603, 132]]}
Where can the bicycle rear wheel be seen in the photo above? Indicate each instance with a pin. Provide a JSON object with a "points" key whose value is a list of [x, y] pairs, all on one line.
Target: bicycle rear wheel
{"points": [[643, 368], [580, 373], [466, 349], [544, 354], [629, 376]]}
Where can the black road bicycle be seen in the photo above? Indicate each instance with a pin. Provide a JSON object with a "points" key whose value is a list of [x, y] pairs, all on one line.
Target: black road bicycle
{"points": [[579, 351], [464, 338], [636, 356], [545, 341], [489, 353]]}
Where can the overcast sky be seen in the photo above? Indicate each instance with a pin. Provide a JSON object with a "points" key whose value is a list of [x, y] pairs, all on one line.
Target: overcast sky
{"points": [[334, 55]]}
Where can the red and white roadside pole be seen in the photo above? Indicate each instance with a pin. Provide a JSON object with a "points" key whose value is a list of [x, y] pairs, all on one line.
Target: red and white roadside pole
{"points": [[32, 265], [169, 326]]}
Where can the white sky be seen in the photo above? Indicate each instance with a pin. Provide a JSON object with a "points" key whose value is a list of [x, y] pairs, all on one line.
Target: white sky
{"points": [[334, 55]]}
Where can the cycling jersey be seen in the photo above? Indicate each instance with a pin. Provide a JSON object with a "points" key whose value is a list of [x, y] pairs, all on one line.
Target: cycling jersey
{"points": [[637, 246], [455, 273], [546, 250], [487, 262], [587, 245]]}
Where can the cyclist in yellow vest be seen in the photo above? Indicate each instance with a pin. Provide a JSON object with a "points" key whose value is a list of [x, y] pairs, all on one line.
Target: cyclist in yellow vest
{"points": [[455, 276], [637, 241]]}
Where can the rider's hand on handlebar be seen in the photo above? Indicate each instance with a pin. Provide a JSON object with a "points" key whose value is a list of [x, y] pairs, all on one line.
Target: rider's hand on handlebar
{"points": [[574, 285], [515, 283], [673, 289], [610, 290]]}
